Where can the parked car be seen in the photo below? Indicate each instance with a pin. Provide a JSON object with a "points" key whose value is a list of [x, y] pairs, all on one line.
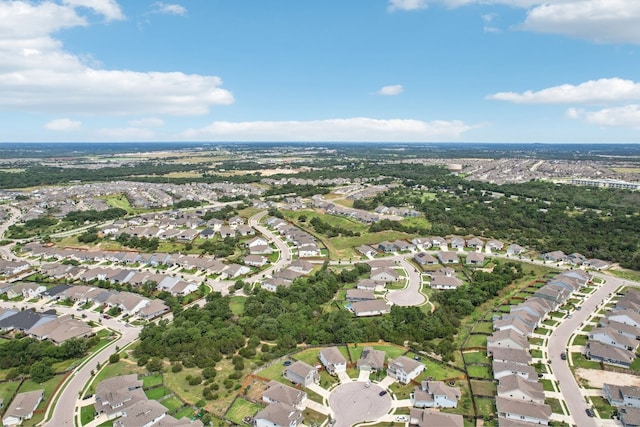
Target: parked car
{"points": [[286, 363], [590, 412], [382, 393], [563, 356], [402, 418]]}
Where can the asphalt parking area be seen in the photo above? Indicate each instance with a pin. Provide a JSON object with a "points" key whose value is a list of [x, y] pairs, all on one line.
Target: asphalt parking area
{"points": [[354, 403]]}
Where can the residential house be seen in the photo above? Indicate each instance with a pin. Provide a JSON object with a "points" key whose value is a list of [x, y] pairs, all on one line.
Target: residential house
{"points": [[370, 284], [475, 258], [508, 338], [143, 413], [515, 387], [255, 260], [456, 242], [596, 264], [278, 415], [515, 249], [435, 394], [502, 369], [367, 251], [61, 329], [622, 395], [431, 418], [445, 282], [384, 274], [629, 416], [424, 258], [629, 331], [281, 393], [375, 307], [515, 323], [115, 394], [494, 245], [27, 290], [606, 335], [510, 355], [301, 266], [628, 317], [359, 295], [520, 410], [448, 257], [155, 308], [371, 360], [422, 242], [475, 243], [333, 361], [404, 369], [309, 250], [301, 373], [257, 241], [608, 354], [271, 283], [22, 407], [387, 247], [555, 256]]}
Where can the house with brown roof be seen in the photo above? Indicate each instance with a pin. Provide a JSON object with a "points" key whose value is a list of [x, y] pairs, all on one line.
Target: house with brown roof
{"points": [[475, 258], [384, 274], [448, 257]]}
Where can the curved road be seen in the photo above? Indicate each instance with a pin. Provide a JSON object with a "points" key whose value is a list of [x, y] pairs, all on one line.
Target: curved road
{"points": [[558, 342], [410, 295]]}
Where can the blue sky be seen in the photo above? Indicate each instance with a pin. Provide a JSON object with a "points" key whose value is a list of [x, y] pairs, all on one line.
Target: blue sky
{"points": [[320, 70]]}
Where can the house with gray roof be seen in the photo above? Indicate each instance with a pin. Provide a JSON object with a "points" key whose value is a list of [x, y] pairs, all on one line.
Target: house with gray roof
{"points": [[376, 307], [515, 387], [508, 338], [622, 395], [608, 354], [607, 335], [519, 410], [432, 418], [447, 257], [359, 295], [502, 369], [143, 413], [333, 361], [301, 373], [22, 407], [510, 355], [423, 258], [281, 393], [114, 395], [371, 360], [629, 416], [278, 415], [404, 369], [435, 394]]}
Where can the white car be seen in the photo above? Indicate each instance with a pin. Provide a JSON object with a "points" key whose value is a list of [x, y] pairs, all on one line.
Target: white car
{"points": [[402, 418]]}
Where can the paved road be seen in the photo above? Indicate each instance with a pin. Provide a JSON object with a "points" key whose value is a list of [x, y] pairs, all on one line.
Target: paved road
{"points": [[14, 216], [410, 295], [558, 343], [285, 251]]}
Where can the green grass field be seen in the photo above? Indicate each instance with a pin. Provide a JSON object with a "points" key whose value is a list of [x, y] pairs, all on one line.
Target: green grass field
{"points": [[242, 408], [87, 414], [172, 403], [156, 393]]}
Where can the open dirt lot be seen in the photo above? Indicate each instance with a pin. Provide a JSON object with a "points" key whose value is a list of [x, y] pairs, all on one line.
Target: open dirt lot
{"points": [[597, 378]]}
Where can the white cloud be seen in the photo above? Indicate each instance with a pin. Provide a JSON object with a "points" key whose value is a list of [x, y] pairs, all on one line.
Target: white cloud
{"points": [[356, 129], [589, 92], [391, 90], [407, 5], [108, 8], [601, 21], [625, 116], [36, 74], [63, 125], [147, 122], [168, 9]]}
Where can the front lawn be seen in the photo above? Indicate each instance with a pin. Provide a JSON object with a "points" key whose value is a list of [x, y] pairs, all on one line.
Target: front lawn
{"points": [[87, 414]]}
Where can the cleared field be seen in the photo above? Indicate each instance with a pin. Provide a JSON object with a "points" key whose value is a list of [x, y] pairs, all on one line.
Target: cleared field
{"points": [[241, 409]]}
